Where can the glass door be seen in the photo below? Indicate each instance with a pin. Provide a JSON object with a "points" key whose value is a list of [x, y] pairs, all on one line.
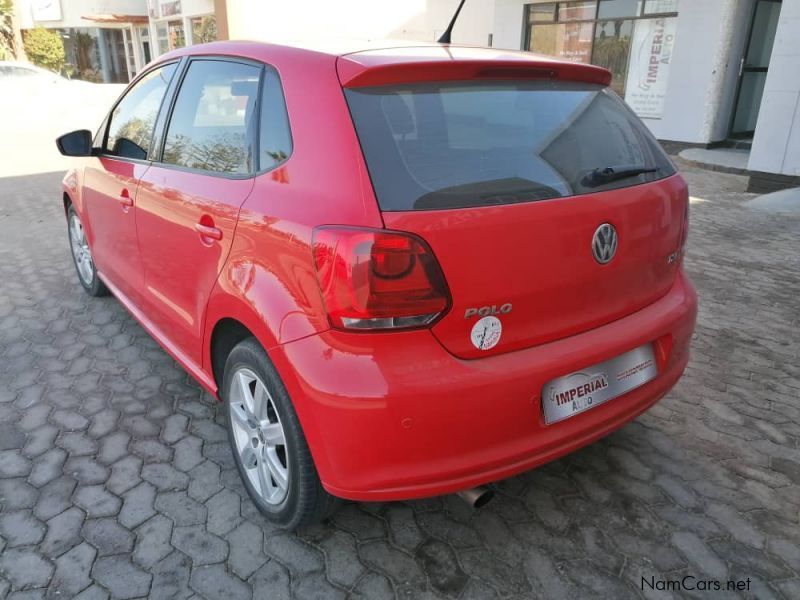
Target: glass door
{"points": [[753, 67], [130, 57]]}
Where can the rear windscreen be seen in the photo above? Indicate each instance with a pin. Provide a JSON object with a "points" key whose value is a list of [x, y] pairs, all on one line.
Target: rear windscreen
{"points": [[453, 145]]}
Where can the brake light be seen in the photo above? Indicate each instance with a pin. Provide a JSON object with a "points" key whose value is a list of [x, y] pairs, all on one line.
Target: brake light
{"points": [[376, 279]]}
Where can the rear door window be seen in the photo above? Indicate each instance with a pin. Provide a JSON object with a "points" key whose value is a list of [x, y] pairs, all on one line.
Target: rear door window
{"points": [[212, 124], [451, 145], [275, 139]]}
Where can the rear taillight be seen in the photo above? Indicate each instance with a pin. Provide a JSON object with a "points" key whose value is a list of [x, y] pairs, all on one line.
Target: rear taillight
{"points": [[376, 279]]}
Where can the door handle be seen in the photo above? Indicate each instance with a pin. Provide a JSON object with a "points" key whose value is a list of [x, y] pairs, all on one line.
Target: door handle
{"points": [[125, 199], [207, 231]]}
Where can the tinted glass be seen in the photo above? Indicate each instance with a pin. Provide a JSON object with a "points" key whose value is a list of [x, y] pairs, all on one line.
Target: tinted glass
{"points": [[660, 6], [575, 11], [430, 146], [612, 45], [130, 130], [275, 143], [212, 126], [570, 41], [542, 12], [610, 9]]}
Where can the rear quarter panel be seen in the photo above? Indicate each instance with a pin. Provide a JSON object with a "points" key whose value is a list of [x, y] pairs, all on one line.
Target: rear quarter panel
{"points": [[269, 277]]}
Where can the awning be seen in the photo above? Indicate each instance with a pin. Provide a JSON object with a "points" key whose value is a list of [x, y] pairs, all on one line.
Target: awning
{"points": [[119, 19]]}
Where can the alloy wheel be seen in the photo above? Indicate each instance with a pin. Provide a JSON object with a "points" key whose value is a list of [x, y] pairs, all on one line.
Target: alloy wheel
{"points": [[80, 250], [258, 436]]}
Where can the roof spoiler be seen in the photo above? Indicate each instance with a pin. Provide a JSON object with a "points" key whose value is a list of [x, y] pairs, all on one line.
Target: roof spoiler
{"points": [[359, 71]]}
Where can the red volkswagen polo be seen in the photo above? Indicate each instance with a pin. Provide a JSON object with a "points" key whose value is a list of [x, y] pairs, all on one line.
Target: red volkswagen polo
{"points": [[405, 271]]}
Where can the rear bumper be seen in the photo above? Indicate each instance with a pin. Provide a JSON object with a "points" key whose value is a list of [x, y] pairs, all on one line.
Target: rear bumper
{"points": [[395, 416]]}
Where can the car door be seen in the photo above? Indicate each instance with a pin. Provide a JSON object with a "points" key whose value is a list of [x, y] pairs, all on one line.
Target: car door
{"points": [[111, 181], [188, 202]]}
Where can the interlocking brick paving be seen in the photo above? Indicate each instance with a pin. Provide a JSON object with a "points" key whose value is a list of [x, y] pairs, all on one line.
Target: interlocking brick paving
{"points": [[116, 481]]}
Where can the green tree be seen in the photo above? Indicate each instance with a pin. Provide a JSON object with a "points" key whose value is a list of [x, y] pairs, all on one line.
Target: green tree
{"points": [[44, 48], [6, 30]]}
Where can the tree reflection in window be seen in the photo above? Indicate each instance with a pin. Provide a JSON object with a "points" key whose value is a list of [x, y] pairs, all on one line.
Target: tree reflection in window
{"points": [[222, 153], [212, 116]]}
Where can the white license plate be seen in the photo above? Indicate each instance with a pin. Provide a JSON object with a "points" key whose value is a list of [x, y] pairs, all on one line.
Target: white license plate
{"points": [[574, 393]]}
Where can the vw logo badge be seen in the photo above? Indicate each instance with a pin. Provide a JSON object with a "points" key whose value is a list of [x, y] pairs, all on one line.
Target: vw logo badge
{"points": [[604, 243]]}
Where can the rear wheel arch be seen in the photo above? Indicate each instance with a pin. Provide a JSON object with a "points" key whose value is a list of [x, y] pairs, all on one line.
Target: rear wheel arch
{"points": [[229, 321], [227, 333]]}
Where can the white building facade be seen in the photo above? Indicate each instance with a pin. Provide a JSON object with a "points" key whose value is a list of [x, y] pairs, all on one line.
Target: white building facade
{"points": [[698, 72], [104, 40]]}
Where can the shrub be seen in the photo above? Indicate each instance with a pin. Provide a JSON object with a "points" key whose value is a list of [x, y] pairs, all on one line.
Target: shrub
{"points": [[6, 30], [44, 48]]}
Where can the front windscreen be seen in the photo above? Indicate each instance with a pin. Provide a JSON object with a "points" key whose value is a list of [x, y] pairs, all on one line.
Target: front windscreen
{"points": [[462, 144]]}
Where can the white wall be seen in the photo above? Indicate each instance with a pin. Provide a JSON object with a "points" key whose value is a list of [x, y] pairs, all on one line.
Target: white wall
{"points": [[776, 145], [72, 12], [191, 8], [508, 23], [277, 20], [702, 79]]}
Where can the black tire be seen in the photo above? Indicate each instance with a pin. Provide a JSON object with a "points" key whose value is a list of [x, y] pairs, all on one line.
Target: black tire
{"points": [[89, 280], [306, 501]]}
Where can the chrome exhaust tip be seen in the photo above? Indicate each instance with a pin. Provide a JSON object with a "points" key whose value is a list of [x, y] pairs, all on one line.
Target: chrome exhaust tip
{"points": [[476, 497]]}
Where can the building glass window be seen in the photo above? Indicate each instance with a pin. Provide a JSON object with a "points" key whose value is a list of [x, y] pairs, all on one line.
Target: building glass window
{"points": [[170, 8], [570, 41], [652, 7], [204, 29], [631, 38], [542, 12], [610, 9], [576, 11], [170, 35]]}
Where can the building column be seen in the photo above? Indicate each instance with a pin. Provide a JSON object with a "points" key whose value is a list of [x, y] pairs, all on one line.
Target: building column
{"points": [[221, 15], [776, 144], [703, 74]]}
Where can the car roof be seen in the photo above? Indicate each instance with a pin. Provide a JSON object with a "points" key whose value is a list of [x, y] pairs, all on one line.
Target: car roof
{"points": [[355, 58]]}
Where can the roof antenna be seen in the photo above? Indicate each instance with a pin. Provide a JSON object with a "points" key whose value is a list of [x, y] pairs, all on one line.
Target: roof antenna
{"points": [[445, 39]]}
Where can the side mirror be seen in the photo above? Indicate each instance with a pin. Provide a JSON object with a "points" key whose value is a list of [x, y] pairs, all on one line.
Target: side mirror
{"points": [[75, 143]]}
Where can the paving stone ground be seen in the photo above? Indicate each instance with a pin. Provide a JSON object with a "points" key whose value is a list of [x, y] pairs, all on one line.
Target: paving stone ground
{"points": [[116, 479]]}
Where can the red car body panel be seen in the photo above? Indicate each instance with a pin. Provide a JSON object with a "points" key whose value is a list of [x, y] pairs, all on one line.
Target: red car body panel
{"points": [[108, 193], [181, 264], [536, 256], [392, 415], [397, 416]]}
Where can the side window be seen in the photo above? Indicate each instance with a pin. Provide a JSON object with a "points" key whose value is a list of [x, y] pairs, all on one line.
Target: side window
{"points": [[275, 139], [130, 130], [211, 127]]}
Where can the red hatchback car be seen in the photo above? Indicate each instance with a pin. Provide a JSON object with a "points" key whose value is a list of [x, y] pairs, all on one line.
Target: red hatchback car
{"points": [[406, 271]]}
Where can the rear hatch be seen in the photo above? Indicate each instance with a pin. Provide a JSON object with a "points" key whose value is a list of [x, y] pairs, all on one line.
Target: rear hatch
{"points": [[508, 181]]}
